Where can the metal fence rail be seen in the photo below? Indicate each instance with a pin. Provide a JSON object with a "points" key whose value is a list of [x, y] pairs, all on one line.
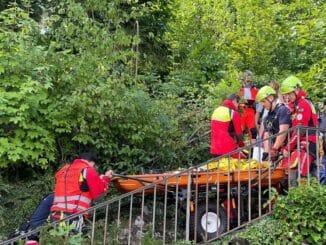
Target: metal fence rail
{"points": [[201, 203]]}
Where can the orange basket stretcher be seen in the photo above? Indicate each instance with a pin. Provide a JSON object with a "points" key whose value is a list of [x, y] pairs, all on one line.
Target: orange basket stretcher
{"points": [[198, 179]]}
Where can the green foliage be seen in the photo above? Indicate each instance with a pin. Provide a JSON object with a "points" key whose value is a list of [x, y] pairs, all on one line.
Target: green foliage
{"points": [[61, 235], [314, 81], [297, 218], [266, 231], [272, 38], [70, 81], [78, 75], [24, 93], [4, 191], [273, 195], [74, 88], [18, 200], [304, 212]]}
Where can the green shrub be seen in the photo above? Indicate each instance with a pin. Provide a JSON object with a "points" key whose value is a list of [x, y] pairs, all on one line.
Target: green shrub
{"points": [[61, 235], [298, 218], [18, 200], [304, 211]]}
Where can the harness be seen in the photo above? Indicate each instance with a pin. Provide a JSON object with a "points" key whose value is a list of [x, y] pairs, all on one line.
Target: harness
{"points": [[231, 129], [270, 118]]}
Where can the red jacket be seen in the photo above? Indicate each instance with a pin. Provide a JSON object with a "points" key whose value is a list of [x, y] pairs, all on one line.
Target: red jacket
{"points": [[225, 128], [249, 94], [304, 114], [68, 196]]}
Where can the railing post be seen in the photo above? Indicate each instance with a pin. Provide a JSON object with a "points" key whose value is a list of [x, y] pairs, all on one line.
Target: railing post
{"points": [[93, 226], [188, 206], [165, 211], [154, 210], [130, 218], [318, 160], [299, 154], [176, 209]]}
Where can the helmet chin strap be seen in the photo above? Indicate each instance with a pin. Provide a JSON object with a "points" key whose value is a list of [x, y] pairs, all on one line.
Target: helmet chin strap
{"points": [[271, 103], [296, 97]]}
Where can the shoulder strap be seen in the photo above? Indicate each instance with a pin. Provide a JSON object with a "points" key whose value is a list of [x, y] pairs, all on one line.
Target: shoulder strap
{"points": [[311, 121], [231, 113]]}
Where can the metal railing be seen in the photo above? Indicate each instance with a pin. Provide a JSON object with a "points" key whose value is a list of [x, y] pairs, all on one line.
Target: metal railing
{"points": [[202, 203]]}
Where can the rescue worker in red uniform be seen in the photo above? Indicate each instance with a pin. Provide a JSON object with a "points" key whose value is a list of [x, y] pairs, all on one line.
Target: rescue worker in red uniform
{"points": [[304, 114], [226, 133], [248, 92], [77, 185]]}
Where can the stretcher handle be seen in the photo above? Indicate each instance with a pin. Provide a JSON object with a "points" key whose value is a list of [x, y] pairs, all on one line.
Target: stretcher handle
{"points": [[170, 188], [133, 178]]}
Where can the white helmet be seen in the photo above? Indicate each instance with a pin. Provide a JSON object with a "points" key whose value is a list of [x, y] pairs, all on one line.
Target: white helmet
{"points": [[247, 75]]}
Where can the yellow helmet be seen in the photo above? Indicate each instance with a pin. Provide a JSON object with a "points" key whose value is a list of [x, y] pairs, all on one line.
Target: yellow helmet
{"points": [[290, 84], [264, 92]]}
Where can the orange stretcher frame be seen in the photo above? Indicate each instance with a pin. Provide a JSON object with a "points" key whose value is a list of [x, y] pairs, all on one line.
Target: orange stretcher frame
{"points": [[198, 178]]}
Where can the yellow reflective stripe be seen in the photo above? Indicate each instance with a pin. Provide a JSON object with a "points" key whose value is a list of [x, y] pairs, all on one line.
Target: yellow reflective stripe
{"points": [[62, 215], [73, 198], [222, 114], [82, 176], [69, 206]]}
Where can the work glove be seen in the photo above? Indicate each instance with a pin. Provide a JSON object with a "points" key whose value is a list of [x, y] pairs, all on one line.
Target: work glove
{"points": [[285, 151], [265, 156], [273, 154]]}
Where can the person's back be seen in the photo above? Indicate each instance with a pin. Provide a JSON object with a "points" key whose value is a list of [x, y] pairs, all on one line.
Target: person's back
{"points": [[69, 198], [226, 133], [221, 140]]}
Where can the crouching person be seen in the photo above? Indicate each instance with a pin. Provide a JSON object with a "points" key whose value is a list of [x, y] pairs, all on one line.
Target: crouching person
{"points": [[77, 185]]}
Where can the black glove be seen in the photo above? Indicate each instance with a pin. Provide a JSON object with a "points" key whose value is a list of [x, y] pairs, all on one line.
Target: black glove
{"points": [[265, 156], [274, 154]]}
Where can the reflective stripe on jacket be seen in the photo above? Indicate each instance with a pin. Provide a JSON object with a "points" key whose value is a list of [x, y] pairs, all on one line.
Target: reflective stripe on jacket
{"points": [[67, 194], [249, 94]]}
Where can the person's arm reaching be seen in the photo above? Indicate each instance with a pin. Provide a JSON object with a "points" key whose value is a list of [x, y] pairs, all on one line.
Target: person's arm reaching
{"points": [[98, 185], [237, 128]]}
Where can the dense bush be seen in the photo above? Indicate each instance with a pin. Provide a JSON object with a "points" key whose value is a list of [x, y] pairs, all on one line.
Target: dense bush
{"points": [[298, 218], [303, 213], [136, 80], [18, 200]]}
